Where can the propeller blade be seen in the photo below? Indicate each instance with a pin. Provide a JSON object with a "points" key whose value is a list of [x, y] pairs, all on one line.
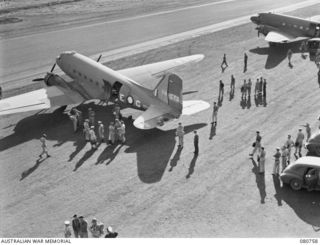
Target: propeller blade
{"points": [[38, 80], [54, 65], [99, 58]]}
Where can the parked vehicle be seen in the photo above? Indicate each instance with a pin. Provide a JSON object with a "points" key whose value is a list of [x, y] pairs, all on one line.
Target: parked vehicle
{"points": [[303, 173]]}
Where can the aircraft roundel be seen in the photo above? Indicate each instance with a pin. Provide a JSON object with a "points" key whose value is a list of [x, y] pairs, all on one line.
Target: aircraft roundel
{"points": [[130, 100]]}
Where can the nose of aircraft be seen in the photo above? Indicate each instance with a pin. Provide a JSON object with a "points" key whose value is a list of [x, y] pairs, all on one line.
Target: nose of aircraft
{"points": [[255, 19]]}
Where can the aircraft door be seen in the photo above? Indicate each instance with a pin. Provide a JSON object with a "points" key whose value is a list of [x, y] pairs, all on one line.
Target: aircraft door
{"points": [[315, 29]]}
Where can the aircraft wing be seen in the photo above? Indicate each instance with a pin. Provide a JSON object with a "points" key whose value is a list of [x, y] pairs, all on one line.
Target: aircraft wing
{"points": [[280, 37], [150, 71], [151, 118], [39, 99], [194, 106]]}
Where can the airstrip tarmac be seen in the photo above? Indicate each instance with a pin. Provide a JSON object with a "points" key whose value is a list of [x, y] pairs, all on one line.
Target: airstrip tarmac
{"points": [[147, 187]]}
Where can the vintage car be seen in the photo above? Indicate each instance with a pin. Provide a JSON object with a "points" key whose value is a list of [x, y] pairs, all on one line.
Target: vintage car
{"points": [[303, 173]]}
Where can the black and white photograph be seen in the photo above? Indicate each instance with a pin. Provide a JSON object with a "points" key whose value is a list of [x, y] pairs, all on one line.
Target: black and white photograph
{"points": [[159, 119]]}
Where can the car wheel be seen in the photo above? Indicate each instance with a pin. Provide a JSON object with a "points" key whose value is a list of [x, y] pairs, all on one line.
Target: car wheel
{"points": [[296, 184]]}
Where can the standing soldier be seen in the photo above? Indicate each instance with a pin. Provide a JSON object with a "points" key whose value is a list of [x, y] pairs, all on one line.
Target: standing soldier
{"points": [[79, 117], [224, 63], [86, 130], [74, 121], [260, 85], [91, 114], [117, 129], [221, 89], [116, 112], [67, 229], [244, 94], [284, 157], [264, 88], [245, 62], [256, 144], [180, 134], [112, 133], [44, 146], [308, 131], [276, 162], [249, 85], [289, 55], [100, 131], [262, 160], [76, 226], [93, 138], [196, 143], [95, 229], [289, 143], [299, 142], [215, 114], [232, 84], [83, 228]]}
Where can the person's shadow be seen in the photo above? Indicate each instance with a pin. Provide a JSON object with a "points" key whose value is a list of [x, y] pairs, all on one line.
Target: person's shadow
{"points": [[213, 130], [192, 165], [175, 159], [243, 102], [220, 100], [32, 169], [231, 94], [258, 99], [249, 102], [260, 180]]}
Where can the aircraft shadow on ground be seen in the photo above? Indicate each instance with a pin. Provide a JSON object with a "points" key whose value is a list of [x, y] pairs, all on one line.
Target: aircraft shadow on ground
{"points": [[276, 54], [153, 147], [305, 204]]}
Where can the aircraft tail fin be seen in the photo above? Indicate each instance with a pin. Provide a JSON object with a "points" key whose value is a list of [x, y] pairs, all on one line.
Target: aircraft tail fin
{"points": [[169, 90]]}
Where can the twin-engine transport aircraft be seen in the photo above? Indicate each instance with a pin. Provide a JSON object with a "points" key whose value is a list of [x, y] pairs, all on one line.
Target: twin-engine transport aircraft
{"points": [[88, 79], [279, 28]]}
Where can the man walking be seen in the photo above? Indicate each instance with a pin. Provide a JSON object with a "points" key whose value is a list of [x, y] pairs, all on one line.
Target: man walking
{"points": [[83, 228], [215, 114], [256, 144], [245, 58], [180, 134], [43, 141], [76, 226], [224, 63], [299, 143], [196, 143]]}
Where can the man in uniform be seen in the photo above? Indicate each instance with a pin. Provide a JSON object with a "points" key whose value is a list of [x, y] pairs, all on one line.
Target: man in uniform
{"points": [[86, 130], [289, 143], [93, 138], [289, 55], [122, 132], [78, 114], [83, 227], [215, 114], [256, 88], [299, 143], [276, 162], [244, 90], [232, 84], [111, 137], [196, 143], [308, 131], [264, 88], [95, 229], [101, 131], [74, 121], [180, 134], [221, 89], [245, 58], [44, 146], [91, 115], [67, 229], [284, 157], [257, 144], [249, 85], [262, 160], [224, 63], [76, 226]]}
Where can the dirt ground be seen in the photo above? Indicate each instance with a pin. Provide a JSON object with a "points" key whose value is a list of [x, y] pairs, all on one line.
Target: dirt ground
{"points": [[24, 17], [149, 188]]}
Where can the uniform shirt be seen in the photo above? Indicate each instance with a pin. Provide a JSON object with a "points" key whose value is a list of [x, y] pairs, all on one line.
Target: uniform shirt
{"points": [[308, 129], [284, 153], [289, 143], [300, 137], [111, 129], [180, 130], [215, 108], [43, 142], [83, 226], [262, 154], [67, 232], [277, 155], [249, 84], [101, 130], [93, 136], [76, 224], [95, 230], [258, 138]]}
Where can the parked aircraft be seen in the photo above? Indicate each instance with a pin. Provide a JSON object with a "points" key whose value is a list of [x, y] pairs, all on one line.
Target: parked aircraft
{"points": [[88, 79], [278, 28]]}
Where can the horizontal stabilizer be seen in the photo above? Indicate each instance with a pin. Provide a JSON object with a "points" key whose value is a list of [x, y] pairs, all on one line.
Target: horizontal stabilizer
{"points": [[194, 106]]}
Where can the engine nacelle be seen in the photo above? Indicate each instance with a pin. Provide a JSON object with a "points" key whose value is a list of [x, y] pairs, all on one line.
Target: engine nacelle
{"points": [[52, 79]]}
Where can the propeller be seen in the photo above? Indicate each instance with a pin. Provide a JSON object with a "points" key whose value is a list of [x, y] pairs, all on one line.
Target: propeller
{"points": [[99, 58], [43, 78]]}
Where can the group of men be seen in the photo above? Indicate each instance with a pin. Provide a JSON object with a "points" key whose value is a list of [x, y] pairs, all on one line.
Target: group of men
{"points": [[285, 155], [80, 228], [180, 134], [260, 88]]}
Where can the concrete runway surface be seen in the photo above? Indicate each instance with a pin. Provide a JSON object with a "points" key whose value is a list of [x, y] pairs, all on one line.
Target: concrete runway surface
{"points": [[147, 187]]}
